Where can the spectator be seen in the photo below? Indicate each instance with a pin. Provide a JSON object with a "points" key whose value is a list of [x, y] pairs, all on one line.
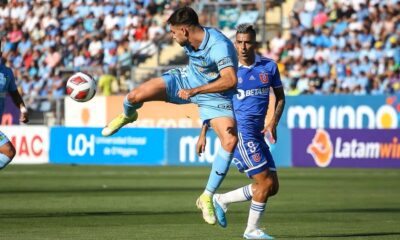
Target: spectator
{"points": [[350, 42], [106, 81]]}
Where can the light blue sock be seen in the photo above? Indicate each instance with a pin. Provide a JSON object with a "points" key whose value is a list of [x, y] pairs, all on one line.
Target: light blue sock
{"points": [[130, 108], [4, 160], [219, 170]]}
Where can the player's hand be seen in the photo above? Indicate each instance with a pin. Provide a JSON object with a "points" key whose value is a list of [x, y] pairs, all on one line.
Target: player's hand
{"points": [[185, 94], [201, 145], [24, 117], [270, 133]]}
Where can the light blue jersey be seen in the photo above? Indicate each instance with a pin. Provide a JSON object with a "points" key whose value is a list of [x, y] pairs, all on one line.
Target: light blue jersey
{"points": [[7, 84], [215, 53]]}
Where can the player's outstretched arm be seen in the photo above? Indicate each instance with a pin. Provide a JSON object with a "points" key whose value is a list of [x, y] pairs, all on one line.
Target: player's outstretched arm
{"points": [[226, 81], [201, 142], [17, 99], [270, 128]]}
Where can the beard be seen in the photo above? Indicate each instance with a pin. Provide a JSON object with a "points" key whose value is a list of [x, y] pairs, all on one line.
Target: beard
{"points": [[183, 43]]}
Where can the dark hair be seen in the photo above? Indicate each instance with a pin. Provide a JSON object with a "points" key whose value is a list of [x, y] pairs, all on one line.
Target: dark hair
{"points": [[184, 16], [246, 28]]}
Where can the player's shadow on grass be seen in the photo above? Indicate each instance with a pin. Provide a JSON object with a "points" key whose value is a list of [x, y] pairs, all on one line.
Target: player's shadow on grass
{"points": [[360, 210], [351, 235], [96, 214], [101, 189]]}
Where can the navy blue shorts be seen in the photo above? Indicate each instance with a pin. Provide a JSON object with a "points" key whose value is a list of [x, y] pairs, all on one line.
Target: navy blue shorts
{"points": [[252, 155]]}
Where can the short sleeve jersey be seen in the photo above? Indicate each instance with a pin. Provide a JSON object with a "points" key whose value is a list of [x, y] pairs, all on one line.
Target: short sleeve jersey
{"points": [[215, 53], [251, 101]]}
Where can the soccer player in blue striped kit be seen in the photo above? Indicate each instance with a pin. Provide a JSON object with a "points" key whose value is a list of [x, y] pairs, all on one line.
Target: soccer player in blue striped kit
{"points": [[255, 77], [7, 85], [209, 80]]}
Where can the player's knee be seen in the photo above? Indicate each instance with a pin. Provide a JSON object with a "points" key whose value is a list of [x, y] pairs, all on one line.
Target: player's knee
{"points": [[274, 189], [229, 143], [269, 186], [133, 96], [9, 150]]}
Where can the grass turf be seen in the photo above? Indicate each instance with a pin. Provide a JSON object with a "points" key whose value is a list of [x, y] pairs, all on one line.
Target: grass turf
{"points": [[104, 202]]}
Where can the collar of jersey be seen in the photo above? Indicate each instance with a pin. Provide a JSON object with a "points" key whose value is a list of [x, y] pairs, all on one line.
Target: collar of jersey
{"points": [[258, 59], [205, 39]]}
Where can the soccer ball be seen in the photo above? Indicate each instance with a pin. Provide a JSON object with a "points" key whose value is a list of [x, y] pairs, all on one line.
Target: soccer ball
{"points": [[81, 87]]}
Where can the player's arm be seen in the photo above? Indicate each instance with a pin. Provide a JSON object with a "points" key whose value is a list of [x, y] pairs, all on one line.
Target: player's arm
{"points": [[223, 55], [270, 128], [201, 142], [226, 81], [17, 99]]}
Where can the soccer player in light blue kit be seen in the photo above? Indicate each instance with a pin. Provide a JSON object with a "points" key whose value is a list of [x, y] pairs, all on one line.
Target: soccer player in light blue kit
{"points": [[7, 85], [255, 77], [208, 81]]}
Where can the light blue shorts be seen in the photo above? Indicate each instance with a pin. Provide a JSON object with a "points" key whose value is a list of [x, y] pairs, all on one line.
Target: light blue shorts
{"points": [[3, 139], [211, 105]]}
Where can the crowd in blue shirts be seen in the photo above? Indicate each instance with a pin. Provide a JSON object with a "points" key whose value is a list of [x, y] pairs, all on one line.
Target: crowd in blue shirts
{"points": [[39, 37], [340, 46]]}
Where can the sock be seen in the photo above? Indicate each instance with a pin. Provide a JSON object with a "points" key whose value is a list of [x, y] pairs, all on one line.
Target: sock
{"points": [[130, 108], [255, 214], [4, 160], [238, 195], [219, 170]]}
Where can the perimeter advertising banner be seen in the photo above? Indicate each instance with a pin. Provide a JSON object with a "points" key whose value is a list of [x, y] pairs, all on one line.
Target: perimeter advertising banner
{"points": [[363, 148], [130, 146], [342, 111], [31, 143], [181, 148], [101, 110]]}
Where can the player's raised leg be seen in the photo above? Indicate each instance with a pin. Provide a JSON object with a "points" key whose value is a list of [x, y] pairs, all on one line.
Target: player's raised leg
{"points": [[225, 128], [152, 90], [7, 151]]}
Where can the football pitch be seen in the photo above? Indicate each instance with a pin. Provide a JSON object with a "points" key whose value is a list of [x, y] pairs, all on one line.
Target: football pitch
{"points": [[109, 202]]}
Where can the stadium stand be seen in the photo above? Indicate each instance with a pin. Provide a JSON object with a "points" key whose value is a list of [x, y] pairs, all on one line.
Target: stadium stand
{"points": [[43, 40], [340, 47], [323, 47]]}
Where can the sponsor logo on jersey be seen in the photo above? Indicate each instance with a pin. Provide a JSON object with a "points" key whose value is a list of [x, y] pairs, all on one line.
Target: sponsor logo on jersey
{"points": [[225, 106], [251, 92], [252, 78]]}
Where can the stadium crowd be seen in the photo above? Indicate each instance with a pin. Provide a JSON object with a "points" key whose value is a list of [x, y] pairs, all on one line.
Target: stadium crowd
{"points": [[39, 37], [340, 47]]}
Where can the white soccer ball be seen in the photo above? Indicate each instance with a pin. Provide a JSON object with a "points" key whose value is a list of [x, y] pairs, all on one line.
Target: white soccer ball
{"points": [[81, 87]]}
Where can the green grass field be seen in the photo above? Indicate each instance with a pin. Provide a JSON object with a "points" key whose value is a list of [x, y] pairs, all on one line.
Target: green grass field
{"points": [[94, 202]]}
